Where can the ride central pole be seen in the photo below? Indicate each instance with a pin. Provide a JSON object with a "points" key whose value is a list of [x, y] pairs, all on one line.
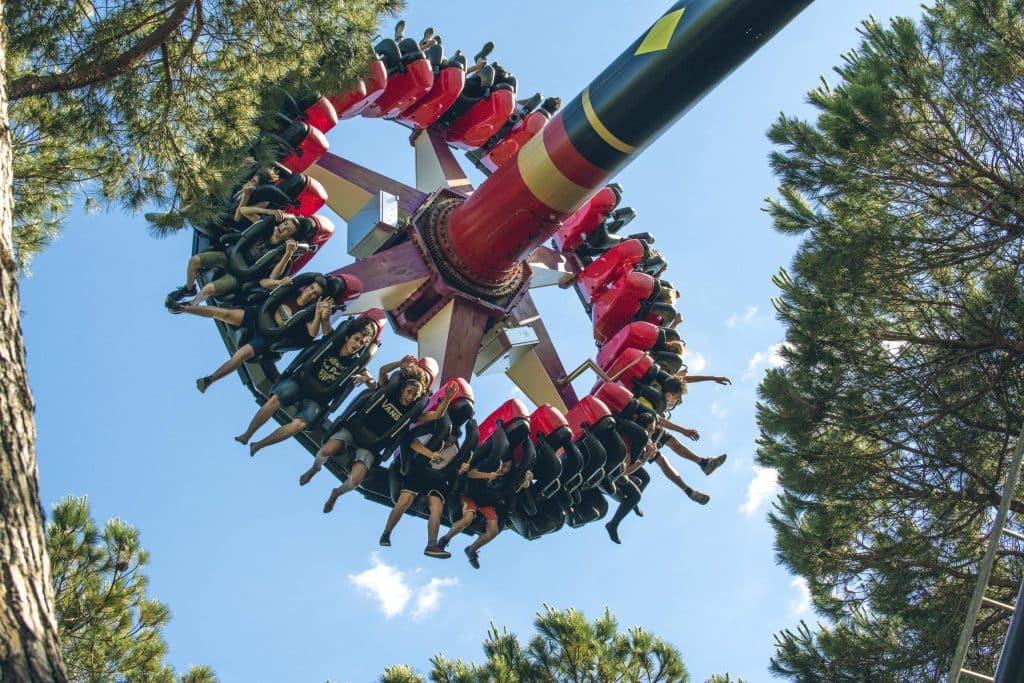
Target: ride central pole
{"points": [[656, 80]]}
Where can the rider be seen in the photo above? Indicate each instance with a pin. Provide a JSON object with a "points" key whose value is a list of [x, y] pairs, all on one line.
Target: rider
{"points": [[315, 377], [370, 429]]}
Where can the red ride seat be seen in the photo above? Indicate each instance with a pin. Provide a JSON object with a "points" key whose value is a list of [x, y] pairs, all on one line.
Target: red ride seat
{"points": [[321, 115], [620, 303], [587, 218], [309, 197], [589, 411], [516, 139], [404, 88], [508, 412], [481, 121], [630, 366], [609, 266], [447, 87], [462, 391], [640, 335], [323, 232], [615, 396], [308, 149], [364, 93]]}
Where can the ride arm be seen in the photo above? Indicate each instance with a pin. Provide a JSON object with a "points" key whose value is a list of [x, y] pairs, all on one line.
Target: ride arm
{"points": [[688, 433]]}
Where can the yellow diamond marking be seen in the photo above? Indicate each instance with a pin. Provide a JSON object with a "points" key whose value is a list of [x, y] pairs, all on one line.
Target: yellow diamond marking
{"points": [[659, 35]]}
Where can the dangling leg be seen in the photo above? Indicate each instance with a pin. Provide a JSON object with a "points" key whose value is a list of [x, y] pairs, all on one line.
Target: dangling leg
{"points": [[673, 476], [280, 434], [707, 465], [405, 499], [328, 450], [243, 354], [630, 496], [355, 478], [265, 412], [467, 518], [232, 316], [435, 549], [483, 539]]}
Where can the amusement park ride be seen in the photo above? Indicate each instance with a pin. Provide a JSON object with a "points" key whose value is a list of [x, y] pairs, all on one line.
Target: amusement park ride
{"points": [[453, 266]]}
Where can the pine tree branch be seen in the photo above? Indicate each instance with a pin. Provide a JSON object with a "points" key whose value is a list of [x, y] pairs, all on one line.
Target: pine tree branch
{"points": [[90, 74]]}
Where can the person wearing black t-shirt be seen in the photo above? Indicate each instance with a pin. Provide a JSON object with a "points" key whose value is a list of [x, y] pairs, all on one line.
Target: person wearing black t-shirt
{"points": [[258, 344], [321, 372], [431, 446], [369, 430]]}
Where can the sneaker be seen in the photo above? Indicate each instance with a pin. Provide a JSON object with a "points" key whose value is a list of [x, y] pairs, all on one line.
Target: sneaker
{"points": [[613, 533], [385, 540], [474, 558], [436, 551], [698, 497], [484, 51], [711, 464], [443, 542]]}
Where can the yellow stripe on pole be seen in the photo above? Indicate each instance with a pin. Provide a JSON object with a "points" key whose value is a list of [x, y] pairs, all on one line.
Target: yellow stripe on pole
{"points": [[545, 181], [659, 35], [600, 128]]}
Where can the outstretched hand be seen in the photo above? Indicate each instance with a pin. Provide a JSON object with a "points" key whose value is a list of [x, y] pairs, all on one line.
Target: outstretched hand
{"points": [[723, 380], [691, 434]]}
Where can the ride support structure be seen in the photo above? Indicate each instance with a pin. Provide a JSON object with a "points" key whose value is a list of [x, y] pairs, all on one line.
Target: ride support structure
{"points": [[454, 265]]}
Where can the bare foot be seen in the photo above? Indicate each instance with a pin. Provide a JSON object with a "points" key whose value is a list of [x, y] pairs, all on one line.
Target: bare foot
{"points": [[243, 439], [254, 448], [202, 384], [308, 475], [335, 494]]}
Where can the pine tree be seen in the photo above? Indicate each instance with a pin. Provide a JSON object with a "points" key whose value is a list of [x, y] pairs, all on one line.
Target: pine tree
{"points": [[127, 102], [896, 415], [567, 647], [110, 630]]}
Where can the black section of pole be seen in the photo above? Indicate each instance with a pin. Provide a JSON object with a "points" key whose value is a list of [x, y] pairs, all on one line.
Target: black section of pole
{"points": [[668, 70], [1011, 660]]}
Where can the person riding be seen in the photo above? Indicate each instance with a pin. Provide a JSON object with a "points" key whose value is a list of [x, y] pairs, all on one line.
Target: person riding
{"points": [[308, 297], [431, 447], [316, 377], [262, 251], [371, 428], [488, 483]]}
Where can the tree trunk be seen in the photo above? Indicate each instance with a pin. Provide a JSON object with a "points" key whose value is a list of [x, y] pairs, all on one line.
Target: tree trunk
{"points": [[29, 645]]}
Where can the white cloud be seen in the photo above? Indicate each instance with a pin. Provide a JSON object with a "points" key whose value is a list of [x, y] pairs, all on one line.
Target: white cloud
{"points": [[695, 362], [745, 319], [717, 410], [762, 360], [802, 604], [429, 598], [385, 583], [763, 486], [392, 589]]}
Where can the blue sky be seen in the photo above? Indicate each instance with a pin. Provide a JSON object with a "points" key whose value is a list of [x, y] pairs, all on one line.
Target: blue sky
{"points": [[261, 584]]}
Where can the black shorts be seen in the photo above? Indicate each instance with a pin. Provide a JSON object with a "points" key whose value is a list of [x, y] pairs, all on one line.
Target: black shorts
{"points": [[257, 341], [425, 480], [289, 392]]}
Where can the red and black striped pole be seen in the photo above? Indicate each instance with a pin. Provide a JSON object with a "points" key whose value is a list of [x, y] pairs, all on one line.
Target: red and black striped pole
{"points": [[667, 70]]}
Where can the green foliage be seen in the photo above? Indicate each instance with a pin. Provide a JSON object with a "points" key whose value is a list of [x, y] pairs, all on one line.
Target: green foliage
{"points": [[724, 678], [895, 418], [109, 629], [567, 647], [138, 101]]}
